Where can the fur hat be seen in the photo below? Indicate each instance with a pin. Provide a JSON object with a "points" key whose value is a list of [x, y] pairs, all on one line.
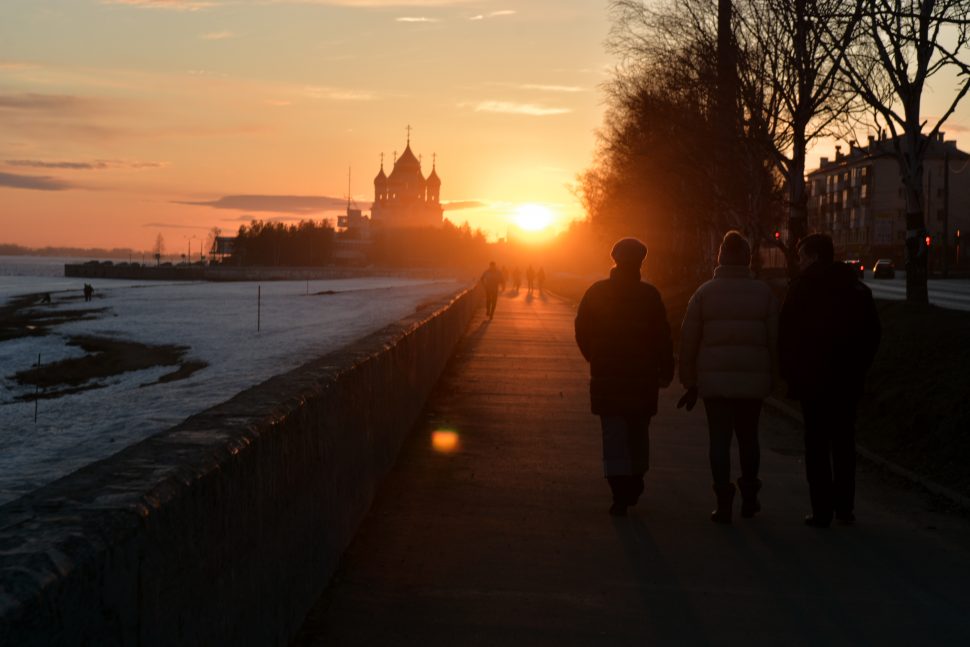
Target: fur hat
{"points": [[735, 250], [629, 252]]}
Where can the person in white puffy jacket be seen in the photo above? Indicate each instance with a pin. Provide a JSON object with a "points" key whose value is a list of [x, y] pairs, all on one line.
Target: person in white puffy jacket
{"points": [[728, 346]]}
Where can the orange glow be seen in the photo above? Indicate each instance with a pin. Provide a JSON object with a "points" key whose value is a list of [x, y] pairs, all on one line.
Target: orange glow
{"points": [[533, 217], [444, 441]]}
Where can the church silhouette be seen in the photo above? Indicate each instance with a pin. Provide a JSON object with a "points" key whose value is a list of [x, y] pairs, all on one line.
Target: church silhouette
{"points": [[405, 198]]}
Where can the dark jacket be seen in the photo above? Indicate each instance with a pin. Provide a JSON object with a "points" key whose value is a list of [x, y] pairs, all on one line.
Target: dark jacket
{"points": [[622, 331], [828, 333]]}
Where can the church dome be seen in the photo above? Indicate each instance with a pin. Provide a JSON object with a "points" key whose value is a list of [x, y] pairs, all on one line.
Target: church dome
{"points": [[381, 179], [406, 164], [433, 179]]}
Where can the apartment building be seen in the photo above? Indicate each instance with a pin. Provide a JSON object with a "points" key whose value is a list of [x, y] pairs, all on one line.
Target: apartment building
{"points": [[857, 198]]}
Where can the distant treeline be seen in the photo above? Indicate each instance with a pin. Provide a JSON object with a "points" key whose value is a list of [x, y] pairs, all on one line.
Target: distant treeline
{"points": [[7, 249], [445, 246], [307, 243]]}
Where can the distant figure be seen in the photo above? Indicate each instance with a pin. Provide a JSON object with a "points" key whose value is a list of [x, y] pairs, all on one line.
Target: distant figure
{"points": [[530, 277], [505, 278], [622, 331], [828, 335], [491, 278], [46, 297], [88, 291], [541, 278], [516, 279], [727, 356]]}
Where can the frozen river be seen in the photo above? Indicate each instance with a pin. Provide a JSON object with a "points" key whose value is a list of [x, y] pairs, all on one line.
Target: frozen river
{"points": [[217, 323]]}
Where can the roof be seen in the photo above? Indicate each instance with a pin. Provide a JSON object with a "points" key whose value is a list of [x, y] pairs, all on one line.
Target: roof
{"points": [[880, 148]]}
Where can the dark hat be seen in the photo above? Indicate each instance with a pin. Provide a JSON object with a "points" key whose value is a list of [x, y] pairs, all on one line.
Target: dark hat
{"points": [[629, 251], [735, 250]]}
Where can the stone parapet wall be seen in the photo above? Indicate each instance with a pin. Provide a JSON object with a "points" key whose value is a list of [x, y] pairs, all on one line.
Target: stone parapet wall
{"points": [[225, 529]]}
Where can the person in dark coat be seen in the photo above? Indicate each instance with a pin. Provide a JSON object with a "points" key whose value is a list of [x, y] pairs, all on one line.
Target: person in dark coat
{"points": [[828, 335], [622, 331], [491, 280]]}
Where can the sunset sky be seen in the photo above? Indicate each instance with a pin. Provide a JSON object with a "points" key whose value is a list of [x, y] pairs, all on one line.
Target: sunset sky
{"points": [[122, 119]]}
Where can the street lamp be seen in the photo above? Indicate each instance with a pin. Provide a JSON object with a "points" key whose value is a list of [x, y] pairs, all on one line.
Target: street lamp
{"points": [[188, 257]]}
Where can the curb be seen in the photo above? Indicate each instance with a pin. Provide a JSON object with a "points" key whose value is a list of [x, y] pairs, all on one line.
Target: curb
{"points": [[931, 486]]}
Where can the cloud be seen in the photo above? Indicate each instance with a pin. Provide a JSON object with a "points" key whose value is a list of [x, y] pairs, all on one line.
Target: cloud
{"points": [[553, 88], [299, 204], [463, 204], [168, 225], [494, 14], [34, 182], [173, 5], [416, 19], [217, 35], [508, 107], [34, 102], [95, 165], [337, 94]]}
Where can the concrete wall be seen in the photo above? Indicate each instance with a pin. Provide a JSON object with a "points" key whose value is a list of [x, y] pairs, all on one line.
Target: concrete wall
{"points": [[225, 529]]}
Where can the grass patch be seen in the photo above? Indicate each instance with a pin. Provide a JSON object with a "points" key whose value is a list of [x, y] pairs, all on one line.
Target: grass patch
{"points": [[105, 358], [916, 411]]}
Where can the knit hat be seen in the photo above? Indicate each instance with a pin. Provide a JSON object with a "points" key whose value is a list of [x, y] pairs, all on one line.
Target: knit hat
{"points": [[629, 252], [735, 250]]}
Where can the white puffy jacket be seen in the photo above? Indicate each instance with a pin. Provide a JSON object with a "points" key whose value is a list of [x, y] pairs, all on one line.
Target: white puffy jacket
{"points": [[728, 340]]}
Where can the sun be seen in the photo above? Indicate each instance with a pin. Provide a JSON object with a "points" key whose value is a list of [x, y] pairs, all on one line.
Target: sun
{"points": [[533, 217]]}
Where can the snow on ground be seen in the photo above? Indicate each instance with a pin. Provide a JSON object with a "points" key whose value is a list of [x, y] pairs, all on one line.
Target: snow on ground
{"points": [[216, 320]]}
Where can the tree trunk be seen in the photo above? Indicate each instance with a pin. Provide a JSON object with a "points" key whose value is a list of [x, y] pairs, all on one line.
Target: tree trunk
{"points": [[917, 251]]}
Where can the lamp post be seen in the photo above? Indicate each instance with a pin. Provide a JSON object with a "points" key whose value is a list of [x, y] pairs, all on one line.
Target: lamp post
{"points": [[188, 256]]}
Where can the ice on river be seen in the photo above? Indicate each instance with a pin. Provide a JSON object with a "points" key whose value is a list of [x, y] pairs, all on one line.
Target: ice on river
{"points": [[216, 320]]}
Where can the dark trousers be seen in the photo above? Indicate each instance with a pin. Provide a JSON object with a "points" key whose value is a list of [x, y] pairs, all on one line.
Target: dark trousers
{"points": [[626, 455], [727, 417], [491, 296], [830, 454]]}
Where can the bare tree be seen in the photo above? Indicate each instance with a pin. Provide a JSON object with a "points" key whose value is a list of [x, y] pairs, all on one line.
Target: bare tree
{"points": [[791, 57], [678, 51], [907, 43]]}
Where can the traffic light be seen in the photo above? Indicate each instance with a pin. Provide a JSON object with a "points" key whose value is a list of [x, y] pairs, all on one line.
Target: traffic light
{"points": [[777, 235], [929, 240]]}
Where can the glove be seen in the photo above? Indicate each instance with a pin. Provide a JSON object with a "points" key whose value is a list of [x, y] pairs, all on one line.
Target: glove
{"points": [[689, 399]]}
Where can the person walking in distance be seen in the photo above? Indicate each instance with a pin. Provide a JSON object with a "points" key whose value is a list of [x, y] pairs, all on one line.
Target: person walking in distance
{"points": [[516, 279], [622, 331], [491, 279], [828, 335], [541, 279], [530, 277], [728, 357]]}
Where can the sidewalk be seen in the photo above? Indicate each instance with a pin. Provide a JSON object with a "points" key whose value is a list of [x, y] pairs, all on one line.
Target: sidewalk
{"points": [[507, 540]]}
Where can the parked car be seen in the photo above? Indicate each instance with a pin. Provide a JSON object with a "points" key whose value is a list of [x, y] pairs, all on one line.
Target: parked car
{"points": [[856, 264], [884, 269]]}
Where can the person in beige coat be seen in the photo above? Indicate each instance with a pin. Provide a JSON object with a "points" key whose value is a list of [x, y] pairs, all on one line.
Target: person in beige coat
{"points": [[727, 357]]}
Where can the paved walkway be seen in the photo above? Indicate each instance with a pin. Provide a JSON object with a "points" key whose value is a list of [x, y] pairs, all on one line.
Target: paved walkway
{"points": [[506, 540]]}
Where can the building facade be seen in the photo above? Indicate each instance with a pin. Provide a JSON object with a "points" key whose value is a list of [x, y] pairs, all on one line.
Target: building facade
{"points": [[406, 198], [858, 199]]}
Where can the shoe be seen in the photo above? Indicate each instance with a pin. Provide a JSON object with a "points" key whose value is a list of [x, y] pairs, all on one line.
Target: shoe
{"points": [[618, 510], [725, 501], [635, 484], [750, 505], [817, 522]]}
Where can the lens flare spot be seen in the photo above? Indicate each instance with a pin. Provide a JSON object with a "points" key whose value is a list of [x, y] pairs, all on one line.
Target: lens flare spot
{"points": [[444, 441]]}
